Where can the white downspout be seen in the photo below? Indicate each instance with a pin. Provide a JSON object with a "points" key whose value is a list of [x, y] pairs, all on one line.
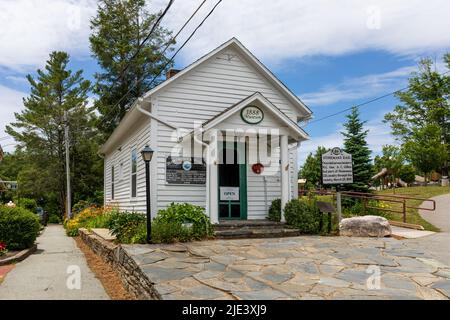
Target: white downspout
{"points": [[207, 173]]}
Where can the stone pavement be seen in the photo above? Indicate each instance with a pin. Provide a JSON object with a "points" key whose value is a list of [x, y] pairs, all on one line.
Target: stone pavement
{"points": [[408, 233], [306, 267], [43, 275], [441, 216]]}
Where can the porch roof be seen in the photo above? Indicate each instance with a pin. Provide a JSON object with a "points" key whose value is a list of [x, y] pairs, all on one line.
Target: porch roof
{"points": [[297, 132]]}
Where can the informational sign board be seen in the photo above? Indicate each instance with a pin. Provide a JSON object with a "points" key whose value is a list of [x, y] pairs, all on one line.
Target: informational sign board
{"points": [[181, 170], [229, 193], [337, 167]]}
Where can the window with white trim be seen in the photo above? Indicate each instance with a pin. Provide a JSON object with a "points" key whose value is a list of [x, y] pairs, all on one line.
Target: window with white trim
{"points": [[133, 173], [112, 182]]}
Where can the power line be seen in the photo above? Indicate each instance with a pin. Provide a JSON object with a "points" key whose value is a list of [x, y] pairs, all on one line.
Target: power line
{"points": [[187, 40], [364, 103], [155, 25], [173, 56]]}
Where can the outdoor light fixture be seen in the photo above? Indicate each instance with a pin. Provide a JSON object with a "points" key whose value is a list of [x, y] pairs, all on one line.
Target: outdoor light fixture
{"points": [[147, 154]]}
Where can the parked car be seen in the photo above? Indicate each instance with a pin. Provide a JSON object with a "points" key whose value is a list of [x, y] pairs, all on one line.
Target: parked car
{"points": [[42, 215]]}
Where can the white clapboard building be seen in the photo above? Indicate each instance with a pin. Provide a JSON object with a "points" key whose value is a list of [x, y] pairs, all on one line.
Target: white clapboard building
{"points": [[225, 136]]}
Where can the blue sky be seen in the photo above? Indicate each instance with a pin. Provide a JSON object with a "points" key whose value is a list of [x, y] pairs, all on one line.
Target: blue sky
{"points": [[332, 54]]}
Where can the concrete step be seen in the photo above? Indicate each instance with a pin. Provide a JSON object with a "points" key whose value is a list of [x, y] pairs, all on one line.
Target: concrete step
{"points": [[240, 233], [238, 224]]}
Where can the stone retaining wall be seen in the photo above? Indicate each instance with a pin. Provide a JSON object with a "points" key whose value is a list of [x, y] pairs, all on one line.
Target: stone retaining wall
{"points": [[131, 275]]}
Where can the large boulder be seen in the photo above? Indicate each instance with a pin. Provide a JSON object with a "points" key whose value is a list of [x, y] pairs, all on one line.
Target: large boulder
{"points": [[365, 226]]}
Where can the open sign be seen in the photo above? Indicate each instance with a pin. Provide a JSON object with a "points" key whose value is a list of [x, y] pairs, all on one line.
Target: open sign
{"points": [[229, 193]]}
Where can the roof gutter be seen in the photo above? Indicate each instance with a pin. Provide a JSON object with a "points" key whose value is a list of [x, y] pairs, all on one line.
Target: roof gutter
{"points": [[151, 115]]}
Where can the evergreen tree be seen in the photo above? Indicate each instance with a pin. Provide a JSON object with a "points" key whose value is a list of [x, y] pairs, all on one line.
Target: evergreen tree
{"points": [[40, 130], [355, 143], [311, 170], [128, 66]]}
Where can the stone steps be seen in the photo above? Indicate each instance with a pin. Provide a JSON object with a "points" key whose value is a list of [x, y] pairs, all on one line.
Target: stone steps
{"points": [[253, 229]]}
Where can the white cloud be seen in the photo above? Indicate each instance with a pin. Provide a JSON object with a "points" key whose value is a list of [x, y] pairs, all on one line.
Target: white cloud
{"points": [[10, 102], [31, 29], [379, 135], [276, 30], [352, 89], [273, 30], [360, 87]]}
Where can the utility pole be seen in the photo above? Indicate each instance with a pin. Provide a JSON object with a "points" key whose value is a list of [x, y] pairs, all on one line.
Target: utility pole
{"points": [[66, 141]]}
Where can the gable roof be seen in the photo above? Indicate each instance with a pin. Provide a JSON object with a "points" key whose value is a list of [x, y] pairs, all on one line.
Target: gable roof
{"points": [[236, 44], [133, 113], [257, 96]]}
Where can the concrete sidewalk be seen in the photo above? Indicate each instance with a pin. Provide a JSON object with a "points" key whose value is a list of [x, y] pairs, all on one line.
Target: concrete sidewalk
{"points": [[441, 216], [44, 275]]}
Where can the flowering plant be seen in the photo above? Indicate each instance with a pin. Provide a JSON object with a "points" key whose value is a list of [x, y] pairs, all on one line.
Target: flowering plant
{"points": [[3, 249]]}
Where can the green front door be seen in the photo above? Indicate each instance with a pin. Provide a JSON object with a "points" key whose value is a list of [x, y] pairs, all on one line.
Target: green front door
{"points": [[232, 181]]}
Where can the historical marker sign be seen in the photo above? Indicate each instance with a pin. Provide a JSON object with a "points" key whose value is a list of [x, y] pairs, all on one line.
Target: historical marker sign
{"points": [[185, 171], [337, 167]]}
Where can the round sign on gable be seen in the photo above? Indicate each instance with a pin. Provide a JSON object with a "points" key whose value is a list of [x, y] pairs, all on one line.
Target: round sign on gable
{"points": [[252, 114]]}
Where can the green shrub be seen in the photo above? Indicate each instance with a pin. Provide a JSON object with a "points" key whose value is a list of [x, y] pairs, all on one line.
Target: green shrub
{"points": [[303, 214], [80, 206], [29, 204], [98, 221], [178, 214], [167, 232], [125, 225], [357, 209], [19, 227], [275, 210], [53, 218]]}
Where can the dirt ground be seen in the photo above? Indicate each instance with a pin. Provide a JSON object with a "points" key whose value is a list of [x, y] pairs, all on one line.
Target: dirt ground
{"points": [[105, 273]]}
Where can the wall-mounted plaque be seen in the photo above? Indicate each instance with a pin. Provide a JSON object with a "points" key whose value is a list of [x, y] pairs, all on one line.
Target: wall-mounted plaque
{"points": [[181, 170]]}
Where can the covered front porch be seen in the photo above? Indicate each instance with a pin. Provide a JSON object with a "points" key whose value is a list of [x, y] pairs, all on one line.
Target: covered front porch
{"points": [[250, 160]]}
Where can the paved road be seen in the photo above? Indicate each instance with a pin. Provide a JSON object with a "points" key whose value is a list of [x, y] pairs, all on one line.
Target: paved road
{"points": [[441, 216], [44, 275]]}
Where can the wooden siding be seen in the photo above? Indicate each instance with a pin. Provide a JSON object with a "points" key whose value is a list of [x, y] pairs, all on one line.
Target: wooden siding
{"points": [[200, 95], [137, 139]]}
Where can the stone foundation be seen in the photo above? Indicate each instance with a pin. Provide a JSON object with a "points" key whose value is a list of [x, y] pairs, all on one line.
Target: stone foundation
{"points": [[131, 275]]}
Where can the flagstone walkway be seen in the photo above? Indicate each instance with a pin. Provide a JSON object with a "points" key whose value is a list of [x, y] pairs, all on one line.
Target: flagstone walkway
{"points": [[307, 267]]}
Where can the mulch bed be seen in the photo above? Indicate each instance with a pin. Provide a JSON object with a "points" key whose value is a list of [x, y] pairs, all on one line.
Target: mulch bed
{"points": [[105, 273], [4, 270]]}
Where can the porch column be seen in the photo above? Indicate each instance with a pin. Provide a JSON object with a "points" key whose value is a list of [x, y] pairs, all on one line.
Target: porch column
{"points": [[213, 178], [284, 174]]}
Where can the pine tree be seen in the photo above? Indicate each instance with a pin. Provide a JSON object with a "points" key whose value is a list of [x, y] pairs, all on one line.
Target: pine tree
{"points": [[355, 143], [128, 67], [311, 170], [40, 130]]}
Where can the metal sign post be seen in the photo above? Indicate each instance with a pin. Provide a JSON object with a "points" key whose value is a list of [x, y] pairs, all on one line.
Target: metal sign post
{"points": [[337, 168]]}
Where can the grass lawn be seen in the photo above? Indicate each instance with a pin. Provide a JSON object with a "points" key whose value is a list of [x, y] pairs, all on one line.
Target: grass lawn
{"points": [[412, 215]]}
